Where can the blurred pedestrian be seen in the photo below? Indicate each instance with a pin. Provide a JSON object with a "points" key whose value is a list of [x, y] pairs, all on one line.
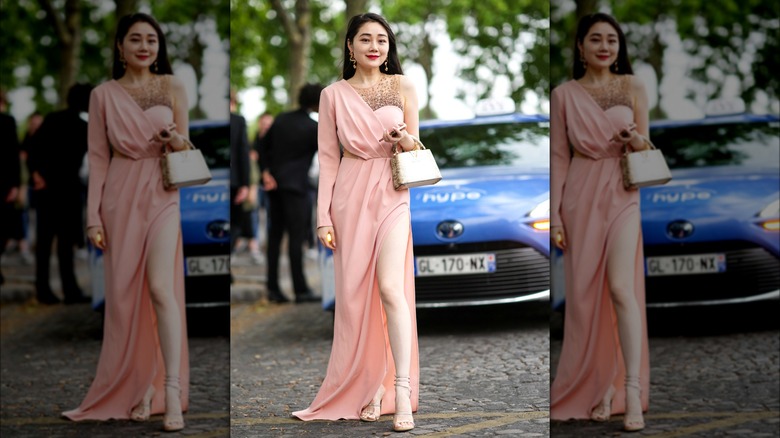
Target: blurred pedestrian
{"points": [[9, 172], [239, 171], [366, 222], [54, 164], [285, 156], [135, 221], [596, 223], [20, 226], [264, 122]]}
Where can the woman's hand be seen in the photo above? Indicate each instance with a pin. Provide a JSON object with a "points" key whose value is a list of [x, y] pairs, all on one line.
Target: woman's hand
{"points": [[168, 136], [558, 236], [328, 237], [398, 134], [97, 236]]}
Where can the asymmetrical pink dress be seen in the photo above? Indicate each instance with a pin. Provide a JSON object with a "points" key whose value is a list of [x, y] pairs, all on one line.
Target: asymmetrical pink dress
{"points": [[357, 198], [589, 201], [127, 198]]}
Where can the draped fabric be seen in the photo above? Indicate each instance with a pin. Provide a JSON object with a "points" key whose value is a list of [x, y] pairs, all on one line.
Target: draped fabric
{"points": [[356, 196], [589, 201], [127, 198]]}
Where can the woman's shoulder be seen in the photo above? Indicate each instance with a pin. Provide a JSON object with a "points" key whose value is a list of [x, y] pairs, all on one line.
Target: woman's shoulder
{"points": [[564, 87]]}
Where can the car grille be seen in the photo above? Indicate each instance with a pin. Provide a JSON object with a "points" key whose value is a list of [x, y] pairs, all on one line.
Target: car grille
{"points": [[750, 270], [520, 270]]}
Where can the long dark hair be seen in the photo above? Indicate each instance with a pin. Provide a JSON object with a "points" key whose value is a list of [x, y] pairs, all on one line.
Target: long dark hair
{"points": [[623, 64], [163, 65], [393, 64]]}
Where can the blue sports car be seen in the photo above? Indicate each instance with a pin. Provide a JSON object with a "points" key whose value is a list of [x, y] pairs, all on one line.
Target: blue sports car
{"points": [[712, 234], [205, 222], [481, 235]]}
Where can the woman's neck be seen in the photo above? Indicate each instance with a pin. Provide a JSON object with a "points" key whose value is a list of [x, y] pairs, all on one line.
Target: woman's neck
{"points": [[136, 77], [596, 77], [366, 78]]}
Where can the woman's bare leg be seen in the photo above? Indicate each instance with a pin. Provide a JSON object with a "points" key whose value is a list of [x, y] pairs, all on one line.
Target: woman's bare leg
{"points": [[390, 275], [621, 258], [160, 268]]}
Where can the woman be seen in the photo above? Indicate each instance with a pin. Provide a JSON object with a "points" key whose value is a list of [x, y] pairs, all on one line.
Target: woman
{"points": [[135, 222], [604, 365], [367, 225]]}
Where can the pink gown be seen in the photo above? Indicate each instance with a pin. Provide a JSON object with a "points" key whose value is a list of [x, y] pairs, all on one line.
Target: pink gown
{"points": [[127, 198], [589, 200], [357, 198]]}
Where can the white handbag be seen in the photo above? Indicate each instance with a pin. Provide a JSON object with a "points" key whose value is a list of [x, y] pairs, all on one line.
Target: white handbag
{"points": [[184, 168], [414, 168], [644, 168]]}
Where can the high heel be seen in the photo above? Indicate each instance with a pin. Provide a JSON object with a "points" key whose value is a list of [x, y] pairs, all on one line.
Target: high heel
{"points": [[633, 422], [601, 413], [375, 408], [403, 425], [175, 422], [143, 409]]}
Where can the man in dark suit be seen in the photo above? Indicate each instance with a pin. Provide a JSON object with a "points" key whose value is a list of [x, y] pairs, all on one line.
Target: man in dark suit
{"points": [[239, 169], [286, 152], [9, 173], [55, 157]]}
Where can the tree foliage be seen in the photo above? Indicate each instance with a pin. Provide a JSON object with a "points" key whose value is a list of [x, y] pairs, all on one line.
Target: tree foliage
{"points": [[492, 36], [722, 38], [33, 36]]}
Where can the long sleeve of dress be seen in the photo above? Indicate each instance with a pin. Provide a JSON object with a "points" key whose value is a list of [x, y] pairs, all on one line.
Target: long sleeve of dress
{"points": [[560, 156], [329, 158], [99, 158]]}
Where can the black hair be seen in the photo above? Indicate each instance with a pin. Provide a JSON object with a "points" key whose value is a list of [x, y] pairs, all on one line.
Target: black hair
{"points": [[393, 64], [78, 97], [309, 96], [162, 67], [621, 66]]}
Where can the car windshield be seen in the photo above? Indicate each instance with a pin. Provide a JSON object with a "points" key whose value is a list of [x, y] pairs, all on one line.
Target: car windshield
{"points": [[526, 144], [732, 144], [213, 142]]}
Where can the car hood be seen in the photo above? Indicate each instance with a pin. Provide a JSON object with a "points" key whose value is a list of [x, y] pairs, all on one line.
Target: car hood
{"points": [[480, 191], [204, 204], [714, 205], [492, 204], [713, 191]]}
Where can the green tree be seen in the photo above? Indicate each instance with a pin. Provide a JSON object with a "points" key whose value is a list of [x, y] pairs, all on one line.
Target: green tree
{"points": [[50, 45], [722, 38]]}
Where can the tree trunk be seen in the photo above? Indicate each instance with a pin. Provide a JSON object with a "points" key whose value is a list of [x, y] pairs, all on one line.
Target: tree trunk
{"points": [[68, 31], [426, 61], [354, 7], [655, 59], [195, 59], [298, 31]]}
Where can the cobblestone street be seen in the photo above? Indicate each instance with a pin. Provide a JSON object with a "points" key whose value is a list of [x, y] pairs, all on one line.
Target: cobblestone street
{"points": [[49, 356], [484, 372], [713, 373]]}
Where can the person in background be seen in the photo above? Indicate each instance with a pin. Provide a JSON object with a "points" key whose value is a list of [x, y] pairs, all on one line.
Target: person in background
{"points": [[10, 168], [286, 153], [54, 162], [239, 170], [264, 122]]}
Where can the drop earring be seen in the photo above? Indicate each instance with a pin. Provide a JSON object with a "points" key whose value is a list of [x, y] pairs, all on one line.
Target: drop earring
{"points": [[156, 69], [352, 60], [584, 63], [123, 61], [616, 66], [385, 65]]}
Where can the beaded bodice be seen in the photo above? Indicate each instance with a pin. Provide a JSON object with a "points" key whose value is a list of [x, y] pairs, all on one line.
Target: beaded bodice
{"points": [[387, 92], [613, 93], [155, 92]]}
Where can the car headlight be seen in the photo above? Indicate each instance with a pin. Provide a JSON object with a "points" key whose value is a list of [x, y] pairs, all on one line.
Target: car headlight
{"points": [[542, 215], [771, 211]]}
